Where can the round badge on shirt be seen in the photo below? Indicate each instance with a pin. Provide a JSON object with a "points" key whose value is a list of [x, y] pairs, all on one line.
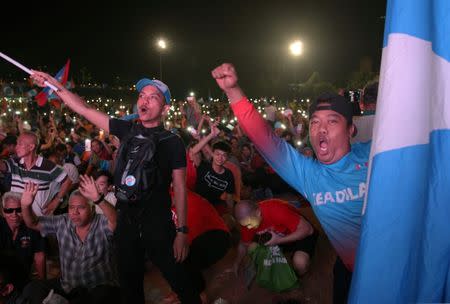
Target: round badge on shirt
{"points": [[130, 180]]}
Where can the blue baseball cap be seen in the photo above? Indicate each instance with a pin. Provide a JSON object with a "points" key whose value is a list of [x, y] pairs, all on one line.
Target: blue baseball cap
{"points": [[161, 86]]}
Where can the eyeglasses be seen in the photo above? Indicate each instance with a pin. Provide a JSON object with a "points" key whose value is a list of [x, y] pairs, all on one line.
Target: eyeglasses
{"points": [[11, 210]]}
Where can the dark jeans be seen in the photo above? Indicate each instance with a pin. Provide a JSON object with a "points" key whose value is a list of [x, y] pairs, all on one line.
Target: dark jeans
{"points": [[206, 250], [341, 282], [144, 235], [36, 291]]}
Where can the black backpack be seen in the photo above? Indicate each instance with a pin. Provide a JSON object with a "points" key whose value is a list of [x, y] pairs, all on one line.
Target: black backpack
{"points": [[136, 171]]}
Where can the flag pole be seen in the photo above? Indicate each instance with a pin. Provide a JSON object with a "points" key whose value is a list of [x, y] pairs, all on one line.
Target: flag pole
{"points": [[24, 68]]}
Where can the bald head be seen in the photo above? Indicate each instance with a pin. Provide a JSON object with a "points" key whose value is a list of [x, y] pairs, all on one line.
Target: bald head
{"points": [[247, 213], [30, 138]]}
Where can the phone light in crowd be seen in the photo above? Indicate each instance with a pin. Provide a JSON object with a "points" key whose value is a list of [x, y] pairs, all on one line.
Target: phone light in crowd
{"points": [[190, 129], [232, 121], [72, 130], [168, 123], [25, 122], [264, 116], [283, 126], [25, 110], [87, 145], [17, 112], [192, 94], [224, 121], [51, 112], [67, 139], [203, 131], [299, 143]]}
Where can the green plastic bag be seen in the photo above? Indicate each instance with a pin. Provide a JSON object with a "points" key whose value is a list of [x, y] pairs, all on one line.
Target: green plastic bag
{"points": [[272, 269]]}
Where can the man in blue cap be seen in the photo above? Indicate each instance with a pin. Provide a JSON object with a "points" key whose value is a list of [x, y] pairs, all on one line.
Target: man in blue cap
{"points": [[144, 224]]}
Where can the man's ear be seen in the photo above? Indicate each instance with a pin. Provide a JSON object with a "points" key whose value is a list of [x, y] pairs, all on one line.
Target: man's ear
{"points": [[352, 131]]}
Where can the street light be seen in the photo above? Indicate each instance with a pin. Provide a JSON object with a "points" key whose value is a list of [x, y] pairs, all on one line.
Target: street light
{"points": [[296, 48], [162, 45]]}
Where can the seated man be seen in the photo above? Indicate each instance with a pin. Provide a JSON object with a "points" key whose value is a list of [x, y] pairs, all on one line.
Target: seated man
{"points": [[88, 274], [286, 226], [17, 239]]}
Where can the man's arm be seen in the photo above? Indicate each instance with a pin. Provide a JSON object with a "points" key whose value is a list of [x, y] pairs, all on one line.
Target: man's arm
{"points": [[29, 217], [40, 264], [303, 230], [180, 245], [281, 156], [73, 101]]}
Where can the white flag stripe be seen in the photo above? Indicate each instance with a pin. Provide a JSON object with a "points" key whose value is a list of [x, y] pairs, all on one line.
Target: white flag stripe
{"points": [[413, 59]]}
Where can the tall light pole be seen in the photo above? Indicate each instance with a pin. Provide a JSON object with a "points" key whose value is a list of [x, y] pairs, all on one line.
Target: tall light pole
{"points": [[296, 49], [162, 45]]}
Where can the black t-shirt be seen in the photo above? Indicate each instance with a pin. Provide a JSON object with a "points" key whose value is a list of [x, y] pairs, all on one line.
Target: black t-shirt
{"points": [[171, 155], [26, 244], [212, 185]]}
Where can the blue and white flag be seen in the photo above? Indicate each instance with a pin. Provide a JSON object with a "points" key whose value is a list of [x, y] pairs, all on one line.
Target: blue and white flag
{"points": [[404, 251]]}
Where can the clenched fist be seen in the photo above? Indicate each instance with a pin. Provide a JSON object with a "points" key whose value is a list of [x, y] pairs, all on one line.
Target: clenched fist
{"points": [[226, 77]]}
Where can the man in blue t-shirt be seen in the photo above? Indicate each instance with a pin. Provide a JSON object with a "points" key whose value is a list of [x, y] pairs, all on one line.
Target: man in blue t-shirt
{"points": [[334, 183]]}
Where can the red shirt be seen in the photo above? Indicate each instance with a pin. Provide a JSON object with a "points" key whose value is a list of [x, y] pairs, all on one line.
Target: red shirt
{"points": [[191, 173], [201, 216], [277, 215]]}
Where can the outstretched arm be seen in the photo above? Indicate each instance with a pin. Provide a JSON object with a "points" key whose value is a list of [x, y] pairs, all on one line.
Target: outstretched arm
{"points": [[73, 101], [281, 156]]}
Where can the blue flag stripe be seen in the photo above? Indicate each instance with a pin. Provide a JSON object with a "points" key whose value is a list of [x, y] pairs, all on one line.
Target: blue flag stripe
{"points": [[425, 19]]}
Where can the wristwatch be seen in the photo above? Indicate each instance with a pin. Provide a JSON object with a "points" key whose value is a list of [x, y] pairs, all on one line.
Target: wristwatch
{"points": [[182, 229], [100, 199]]}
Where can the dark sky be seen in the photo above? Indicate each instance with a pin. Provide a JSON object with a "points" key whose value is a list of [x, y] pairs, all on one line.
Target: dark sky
{"points": [[118, 39]]}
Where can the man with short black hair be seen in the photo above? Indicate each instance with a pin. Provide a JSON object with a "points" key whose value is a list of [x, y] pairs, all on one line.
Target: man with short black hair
{"points": [[145, 225], [334, 183], [213, 179]]}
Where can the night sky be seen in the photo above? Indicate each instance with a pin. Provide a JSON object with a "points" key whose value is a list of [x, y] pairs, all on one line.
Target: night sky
{"points": [[118, 40]]}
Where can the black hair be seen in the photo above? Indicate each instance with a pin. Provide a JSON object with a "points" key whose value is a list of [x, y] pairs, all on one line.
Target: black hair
{"points": [[221, 145], [99, 173]]}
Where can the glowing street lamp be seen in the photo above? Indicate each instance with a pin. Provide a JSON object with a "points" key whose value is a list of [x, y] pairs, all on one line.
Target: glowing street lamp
{"points": [[296, 48], [162, 46]]}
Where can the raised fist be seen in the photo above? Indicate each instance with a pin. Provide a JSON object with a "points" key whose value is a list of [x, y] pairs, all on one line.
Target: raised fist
{"points": [[226, 76]]}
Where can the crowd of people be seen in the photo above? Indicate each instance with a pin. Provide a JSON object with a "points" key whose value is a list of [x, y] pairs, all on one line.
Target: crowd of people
{"points": [[180, 191]]}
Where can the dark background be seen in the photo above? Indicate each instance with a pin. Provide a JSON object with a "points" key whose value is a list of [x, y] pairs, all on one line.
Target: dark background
{"points": [[115, 42]]}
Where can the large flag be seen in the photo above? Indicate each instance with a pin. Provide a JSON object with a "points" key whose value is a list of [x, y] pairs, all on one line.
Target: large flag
{"points": [[47, 93], [404, 252]]}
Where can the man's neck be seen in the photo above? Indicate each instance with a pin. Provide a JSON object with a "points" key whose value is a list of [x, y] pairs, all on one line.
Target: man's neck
{"points": [[82, 231], [218, 169], [151, 124], [30, 160]]}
